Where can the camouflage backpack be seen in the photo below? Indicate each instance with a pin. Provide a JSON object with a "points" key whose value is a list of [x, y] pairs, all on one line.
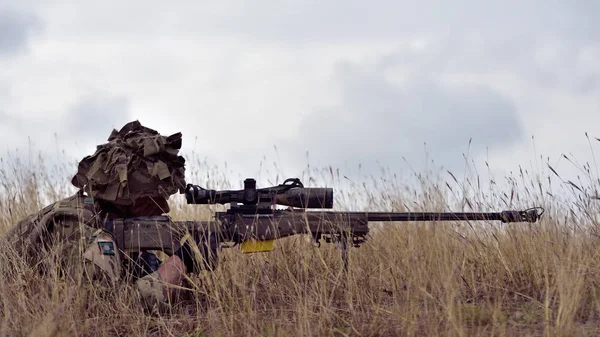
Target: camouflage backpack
{"points": [[136, 162]]}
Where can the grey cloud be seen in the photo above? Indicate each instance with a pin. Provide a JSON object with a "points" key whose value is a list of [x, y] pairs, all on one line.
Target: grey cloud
{"points": [[582, 18], [15, 30], [354, 20], [590, 83], [10, 123], [85, 124], [310, 21], [94, 116], [379, 122], [5, 122], [548, 64], [65, 139]]}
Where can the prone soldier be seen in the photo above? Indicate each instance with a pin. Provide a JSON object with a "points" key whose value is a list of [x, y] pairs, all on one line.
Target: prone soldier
{"points": [[133, 174]]}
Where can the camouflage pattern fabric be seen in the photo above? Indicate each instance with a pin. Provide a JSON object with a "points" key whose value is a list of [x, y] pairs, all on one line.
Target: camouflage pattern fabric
{"points": [[133, 174], [66, 233], [103, 257], [67, 229], [66, 221], [136, 162]]}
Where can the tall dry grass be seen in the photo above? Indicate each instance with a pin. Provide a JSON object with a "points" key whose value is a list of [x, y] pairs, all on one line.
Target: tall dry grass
{"points": [[410, 279]]}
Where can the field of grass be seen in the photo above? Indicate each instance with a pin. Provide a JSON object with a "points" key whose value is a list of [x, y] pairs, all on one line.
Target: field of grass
{"points": [[409, 279]]}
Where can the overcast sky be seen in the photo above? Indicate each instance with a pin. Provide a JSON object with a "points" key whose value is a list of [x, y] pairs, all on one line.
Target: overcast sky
{"points": [[349, 82]]}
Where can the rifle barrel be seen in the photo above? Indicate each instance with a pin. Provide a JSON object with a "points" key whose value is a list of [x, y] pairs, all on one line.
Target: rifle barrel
{"points": [[431, 216], [530, 215]]}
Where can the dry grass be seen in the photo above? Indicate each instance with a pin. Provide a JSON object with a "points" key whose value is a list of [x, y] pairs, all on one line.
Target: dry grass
{"points": [[410, 279]]}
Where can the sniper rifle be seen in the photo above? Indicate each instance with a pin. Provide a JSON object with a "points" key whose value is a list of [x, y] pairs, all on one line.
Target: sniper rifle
{"points": [[254, 222]]}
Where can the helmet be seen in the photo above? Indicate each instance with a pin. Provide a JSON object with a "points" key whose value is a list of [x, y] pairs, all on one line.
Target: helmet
{"points": [[136, 162]]}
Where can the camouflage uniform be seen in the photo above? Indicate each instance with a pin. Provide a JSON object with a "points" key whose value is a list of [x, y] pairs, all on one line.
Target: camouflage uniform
{"points": [[132, 175]]}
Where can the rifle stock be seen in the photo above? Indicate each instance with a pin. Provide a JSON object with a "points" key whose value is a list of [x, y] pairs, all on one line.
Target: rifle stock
{"points": [[162, 233]]}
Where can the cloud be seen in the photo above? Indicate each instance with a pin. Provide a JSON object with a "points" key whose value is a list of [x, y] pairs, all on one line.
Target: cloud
{"points": [[353, 82], [85, 123], [380, 121], [90, 120], [583, 19], [16, 29], [292, 22], [95, 115]]}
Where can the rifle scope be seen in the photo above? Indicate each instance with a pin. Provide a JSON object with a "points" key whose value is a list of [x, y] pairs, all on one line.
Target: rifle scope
{"points": [[291, 193]]}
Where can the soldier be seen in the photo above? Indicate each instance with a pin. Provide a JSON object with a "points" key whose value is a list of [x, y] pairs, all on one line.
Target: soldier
{"points": [[133, 174]]}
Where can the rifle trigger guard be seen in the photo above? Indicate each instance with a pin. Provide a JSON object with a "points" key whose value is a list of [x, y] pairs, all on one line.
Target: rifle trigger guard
{"points": [[317, 238]]}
